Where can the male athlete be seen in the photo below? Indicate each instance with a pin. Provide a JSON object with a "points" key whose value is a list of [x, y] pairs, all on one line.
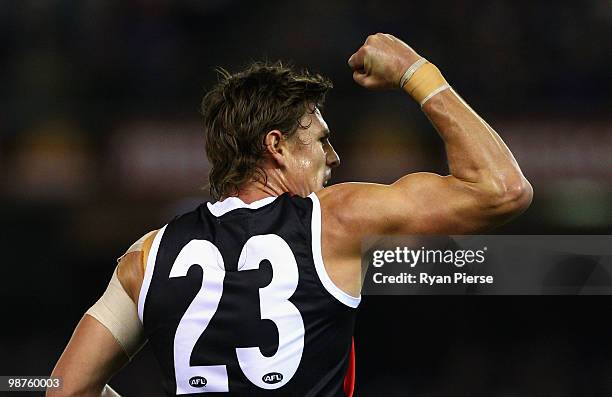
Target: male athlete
{"points": [[256, 294]]}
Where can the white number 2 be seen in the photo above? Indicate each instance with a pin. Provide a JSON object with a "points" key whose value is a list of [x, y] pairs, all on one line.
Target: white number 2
{"points": [[265, 372], [195, 320]]}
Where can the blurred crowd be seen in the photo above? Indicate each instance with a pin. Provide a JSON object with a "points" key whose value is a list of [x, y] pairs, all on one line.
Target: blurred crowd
{"points": [[100, 99]]}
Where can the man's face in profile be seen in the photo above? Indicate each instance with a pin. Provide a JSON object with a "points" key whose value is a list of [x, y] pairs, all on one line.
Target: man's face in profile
{"points": [[311, 155]]}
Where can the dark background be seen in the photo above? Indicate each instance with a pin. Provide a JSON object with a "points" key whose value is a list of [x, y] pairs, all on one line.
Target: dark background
{"points": [[100, 142]]}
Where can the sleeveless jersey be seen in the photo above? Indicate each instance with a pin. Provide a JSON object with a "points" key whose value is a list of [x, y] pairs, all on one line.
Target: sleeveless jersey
{"points": [[236, 301]]}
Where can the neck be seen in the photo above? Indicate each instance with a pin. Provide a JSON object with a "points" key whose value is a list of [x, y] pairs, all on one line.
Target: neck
{"points": [[254, 190]]}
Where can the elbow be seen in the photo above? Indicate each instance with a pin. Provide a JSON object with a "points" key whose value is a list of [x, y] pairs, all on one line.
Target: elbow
{"points": [[504, 196], [515, 197], [521, 196]]}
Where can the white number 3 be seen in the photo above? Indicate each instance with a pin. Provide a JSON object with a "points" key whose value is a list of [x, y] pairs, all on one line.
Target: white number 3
{"points": [[264, 372]]}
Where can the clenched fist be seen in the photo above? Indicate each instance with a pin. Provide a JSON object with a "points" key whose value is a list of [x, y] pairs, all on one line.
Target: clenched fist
{"points": [[381, 61]]}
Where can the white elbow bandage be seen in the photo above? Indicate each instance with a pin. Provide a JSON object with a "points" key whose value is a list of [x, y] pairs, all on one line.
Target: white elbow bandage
{"points": [[118, 313]]}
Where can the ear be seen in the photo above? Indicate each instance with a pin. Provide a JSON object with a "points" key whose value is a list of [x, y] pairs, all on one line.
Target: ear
{"points": [[276, 146]]}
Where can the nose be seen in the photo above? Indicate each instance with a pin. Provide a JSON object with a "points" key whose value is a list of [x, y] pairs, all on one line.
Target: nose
{"points": [[333, 160]]}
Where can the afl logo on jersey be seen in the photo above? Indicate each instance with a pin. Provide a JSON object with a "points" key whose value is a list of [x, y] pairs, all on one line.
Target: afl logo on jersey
{"points": [[197, 381], [272, 378]]}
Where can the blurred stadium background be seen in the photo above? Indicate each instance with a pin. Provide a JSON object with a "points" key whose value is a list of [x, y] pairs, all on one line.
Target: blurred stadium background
{"points": [[100, 141]]}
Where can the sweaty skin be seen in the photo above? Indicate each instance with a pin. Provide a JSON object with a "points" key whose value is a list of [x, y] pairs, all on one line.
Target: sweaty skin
{"points": [[485, 188], [300, 164]]}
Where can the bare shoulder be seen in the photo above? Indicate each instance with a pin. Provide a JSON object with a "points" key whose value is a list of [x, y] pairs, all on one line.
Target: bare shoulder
{"points": [[132, 265], [351, 210]]}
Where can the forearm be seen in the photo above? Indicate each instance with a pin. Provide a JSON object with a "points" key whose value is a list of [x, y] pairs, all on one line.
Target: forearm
{"points": [[475, 152], [90, 359]]}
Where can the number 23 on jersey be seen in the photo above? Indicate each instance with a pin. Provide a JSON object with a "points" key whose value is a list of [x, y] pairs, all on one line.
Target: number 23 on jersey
{"points": [[265, 372]]}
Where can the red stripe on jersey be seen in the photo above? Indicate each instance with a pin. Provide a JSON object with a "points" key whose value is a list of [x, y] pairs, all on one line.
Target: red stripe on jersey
{"points": [[349, 378]]}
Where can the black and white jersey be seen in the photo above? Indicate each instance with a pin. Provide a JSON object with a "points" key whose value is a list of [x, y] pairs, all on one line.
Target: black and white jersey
{"points": [[236, 302]]}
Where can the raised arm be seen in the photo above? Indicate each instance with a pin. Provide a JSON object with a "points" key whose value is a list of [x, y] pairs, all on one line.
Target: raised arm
{"points": [[485, 187]]}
